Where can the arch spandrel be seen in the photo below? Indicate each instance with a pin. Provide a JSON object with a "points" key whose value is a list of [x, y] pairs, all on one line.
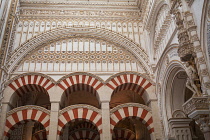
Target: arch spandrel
{"points": [[73, 32]]}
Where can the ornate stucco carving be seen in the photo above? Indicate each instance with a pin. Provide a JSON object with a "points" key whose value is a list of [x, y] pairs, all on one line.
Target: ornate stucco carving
{"points": [[78, 31], [88, 54]]}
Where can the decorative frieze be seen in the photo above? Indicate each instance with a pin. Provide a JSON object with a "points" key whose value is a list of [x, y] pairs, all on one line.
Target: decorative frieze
{"points": [[80, 13]]}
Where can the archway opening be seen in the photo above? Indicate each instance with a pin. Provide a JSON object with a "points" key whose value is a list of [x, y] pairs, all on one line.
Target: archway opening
{"points": [[80, 129], [130, 128], [27, 129], [80, 94], [127, 93], [30, 94], [177, 94]]}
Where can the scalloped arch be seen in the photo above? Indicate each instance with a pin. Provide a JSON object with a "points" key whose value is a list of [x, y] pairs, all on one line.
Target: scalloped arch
{"points": [[78, 31]]}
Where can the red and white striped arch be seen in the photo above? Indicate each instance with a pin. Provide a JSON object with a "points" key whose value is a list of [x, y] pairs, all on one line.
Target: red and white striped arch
{"points": [[80, 113], [123, 134], [84, 134], [80, 79], [27, 114], [133, 111], [30, 82], [129, 81], [40, 135], [79, 87], [85, 125]]}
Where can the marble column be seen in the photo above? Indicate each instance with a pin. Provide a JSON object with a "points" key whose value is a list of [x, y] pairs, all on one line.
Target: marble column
{"points": [[156, 119]]}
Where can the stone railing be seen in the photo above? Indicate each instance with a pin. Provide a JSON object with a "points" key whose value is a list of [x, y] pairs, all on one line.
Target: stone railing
{"points": [[195, 103]]}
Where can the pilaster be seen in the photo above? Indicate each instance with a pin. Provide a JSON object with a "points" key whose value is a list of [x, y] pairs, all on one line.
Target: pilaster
{"points": [[55, 106], [153, 104], [5, 108], [106, 134]]}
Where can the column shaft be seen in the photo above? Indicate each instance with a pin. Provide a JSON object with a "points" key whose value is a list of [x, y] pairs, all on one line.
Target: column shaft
{"points": [[3, 115], [106, 134], [53, 121]]}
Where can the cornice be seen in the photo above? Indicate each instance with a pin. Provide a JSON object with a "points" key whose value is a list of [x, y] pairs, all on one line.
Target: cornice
{"points": [[53, 18], [50, 13], [79, 3]]}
